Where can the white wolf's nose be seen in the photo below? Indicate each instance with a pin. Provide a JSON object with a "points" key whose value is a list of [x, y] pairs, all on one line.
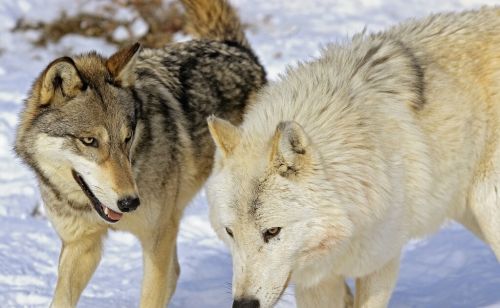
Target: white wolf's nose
{"points": [[246, 303], [128, 204]]}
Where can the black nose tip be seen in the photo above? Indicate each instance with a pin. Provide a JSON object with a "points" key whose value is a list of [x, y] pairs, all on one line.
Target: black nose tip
{"points": [[246, 303], [128, 204]]}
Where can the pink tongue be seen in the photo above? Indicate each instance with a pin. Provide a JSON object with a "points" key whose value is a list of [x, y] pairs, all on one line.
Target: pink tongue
{"points": [[114, 215]]}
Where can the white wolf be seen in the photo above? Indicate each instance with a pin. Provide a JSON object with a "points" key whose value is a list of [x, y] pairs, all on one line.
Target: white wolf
{"points": [[346, 158]]}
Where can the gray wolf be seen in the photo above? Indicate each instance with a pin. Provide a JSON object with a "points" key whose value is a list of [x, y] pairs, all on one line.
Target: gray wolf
{"points": [[122, 142], [347, 157]]}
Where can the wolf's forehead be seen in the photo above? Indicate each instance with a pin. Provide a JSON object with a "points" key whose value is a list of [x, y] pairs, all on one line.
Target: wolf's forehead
{"points": [[87, 117], [105, 102], [247, 197]]}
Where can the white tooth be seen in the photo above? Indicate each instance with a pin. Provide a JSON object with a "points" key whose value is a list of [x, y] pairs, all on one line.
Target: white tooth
{"points": [[106, 211]]}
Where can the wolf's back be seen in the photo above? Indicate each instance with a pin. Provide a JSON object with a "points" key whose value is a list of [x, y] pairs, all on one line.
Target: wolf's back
{"points": [[214, 20]]}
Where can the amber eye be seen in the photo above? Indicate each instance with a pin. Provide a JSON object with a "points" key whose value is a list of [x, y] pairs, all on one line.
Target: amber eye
{"points": [[128, 138], [270, 233], [89, 141], [229, 231]]}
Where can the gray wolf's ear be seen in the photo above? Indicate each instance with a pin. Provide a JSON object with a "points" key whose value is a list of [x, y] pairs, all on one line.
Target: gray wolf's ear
{"points": [[290, 148], [226, 136], [60, 81], [121, 65]]}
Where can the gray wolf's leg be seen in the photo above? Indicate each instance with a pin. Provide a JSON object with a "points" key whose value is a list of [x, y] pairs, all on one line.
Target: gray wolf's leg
{"points": [[161, 268], [77, 262]]}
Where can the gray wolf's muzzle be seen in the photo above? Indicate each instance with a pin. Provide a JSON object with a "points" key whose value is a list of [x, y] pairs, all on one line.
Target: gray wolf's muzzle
{"points": [[128, 204]]}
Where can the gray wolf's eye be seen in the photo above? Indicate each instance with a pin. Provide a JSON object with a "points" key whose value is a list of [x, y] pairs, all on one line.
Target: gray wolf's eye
{"points": [[229, 232], [128, 138], [89, 141], [270, 233]]}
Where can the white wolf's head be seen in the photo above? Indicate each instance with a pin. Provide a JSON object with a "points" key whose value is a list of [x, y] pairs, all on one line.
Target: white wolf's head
{"points": [[271, 204]]}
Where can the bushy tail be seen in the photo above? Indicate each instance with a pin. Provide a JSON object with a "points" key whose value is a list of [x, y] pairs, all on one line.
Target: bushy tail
{"points": [[214, 20]]}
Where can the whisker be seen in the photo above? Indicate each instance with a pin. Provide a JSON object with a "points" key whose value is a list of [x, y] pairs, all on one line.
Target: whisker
{"points": [[96, 188]]}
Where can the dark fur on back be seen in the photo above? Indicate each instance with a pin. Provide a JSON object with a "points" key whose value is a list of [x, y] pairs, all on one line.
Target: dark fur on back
{"points": [[204, 78], [201, 78]]}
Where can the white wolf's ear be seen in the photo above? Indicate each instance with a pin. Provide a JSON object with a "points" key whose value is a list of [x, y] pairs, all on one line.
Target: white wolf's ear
{"points": [[226, 136], [60, 80], [121, 65], [290, 148]]}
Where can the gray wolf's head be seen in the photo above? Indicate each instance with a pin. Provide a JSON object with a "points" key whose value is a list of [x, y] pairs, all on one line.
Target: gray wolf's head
{"points": [[269, 202], [77, 130]]}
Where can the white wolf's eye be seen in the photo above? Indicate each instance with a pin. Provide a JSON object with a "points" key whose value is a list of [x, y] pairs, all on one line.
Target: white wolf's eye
{"points": [[229, 231], [270, 233], [89, 141]]}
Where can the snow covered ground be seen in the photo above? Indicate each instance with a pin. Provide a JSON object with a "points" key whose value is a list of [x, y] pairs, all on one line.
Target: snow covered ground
{"points": [[450, 269]]}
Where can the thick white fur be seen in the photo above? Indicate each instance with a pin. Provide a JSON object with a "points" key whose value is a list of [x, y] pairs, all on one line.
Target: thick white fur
{"points": [[401, 132]]}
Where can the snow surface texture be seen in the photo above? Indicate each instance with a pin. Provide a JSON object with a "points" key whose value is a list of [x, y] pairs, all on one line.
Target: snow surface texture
{"points": [[450, 269]]}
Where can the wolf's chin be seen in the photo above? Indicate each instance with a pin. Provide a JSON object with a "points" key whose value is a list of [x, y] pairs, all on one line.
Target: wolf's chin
{"points": [[106, 213]]}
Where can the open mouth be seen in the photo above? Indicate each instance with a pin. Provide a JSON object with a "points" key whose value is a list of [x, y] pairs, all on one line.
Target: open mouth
{"points": [[105, 212]]}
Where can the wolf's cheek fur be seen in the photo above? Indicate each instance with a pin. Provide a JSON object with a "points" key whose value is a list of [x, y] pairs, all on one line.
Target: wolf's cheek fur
{"points": [[54, 160], [320, 251], [49, 150], [57, 161]]}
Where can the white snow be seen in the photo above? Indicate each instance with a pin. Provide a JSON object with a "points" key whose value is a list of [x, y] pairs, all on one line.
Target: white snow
{"points": [[449, 269]]}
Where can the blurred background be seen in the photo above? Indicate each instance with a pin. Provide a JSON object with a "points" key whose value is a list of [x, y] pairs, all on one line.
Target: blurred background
{"points": [[449, 269]]}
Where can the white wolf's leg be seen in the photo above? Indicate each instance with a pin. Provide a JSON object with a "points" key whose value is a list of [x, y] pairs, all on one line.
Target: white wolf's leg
{"points": [[375, 289], [77, 262], [485, 205], [161, 268], [331, 292]]}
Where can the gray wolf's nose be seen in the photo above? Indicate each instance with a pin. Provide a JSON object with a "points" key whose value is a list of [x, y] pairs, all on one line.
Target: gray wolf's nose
{"points": [[246, 303], [128, 204]]}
